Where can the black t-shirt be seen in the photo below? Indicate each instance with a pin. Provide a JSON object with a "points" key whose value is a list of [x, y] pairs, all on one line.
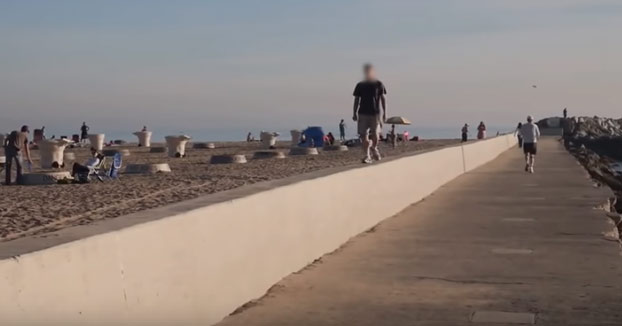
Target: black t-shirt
{"points": [[370, 92]]}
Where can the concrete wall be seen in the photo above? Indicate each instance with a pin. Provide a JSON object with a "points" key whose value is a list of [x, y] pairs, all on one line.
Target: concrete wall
{"points": [[197, 266]]}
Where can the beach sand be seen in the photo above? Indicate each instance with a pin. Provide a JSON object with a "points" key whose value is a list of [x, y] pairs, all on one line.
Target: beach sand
{"points": [[34, 210]]}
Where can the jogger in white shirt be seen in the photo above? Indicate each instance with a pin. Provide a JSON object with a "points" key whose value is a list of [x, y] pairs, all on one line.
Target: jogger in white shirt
{"points": [[530, 133]]}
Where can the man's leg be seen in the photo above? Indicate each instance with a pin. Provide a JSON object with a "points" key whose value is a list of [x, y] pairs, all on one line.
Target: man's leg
{"points": [[18, 168], [375, 130], [363, 129], [8, 163]]}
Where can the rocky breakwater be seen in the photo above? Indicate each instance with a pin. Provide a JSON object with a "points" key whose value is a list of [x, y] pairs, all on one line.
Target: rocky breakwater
{"points": [[597, 143]]}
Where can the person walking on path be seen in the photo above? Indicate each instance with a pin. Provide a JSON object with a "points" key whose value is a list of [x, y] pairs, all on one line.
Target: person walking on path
{"points": [[481, 130], [342, 130], [465, 133], [530, 133], [518, 135], [369, 95], [14, 146], [84, 132]]}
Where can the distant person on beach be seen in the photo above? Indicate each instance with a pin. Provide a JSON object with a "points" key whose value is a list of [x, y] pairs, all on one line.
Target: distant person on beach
{"points": [[84, 132], [481, 130], [14, 146], [565, 113], [331, 138], [369, 95], [249, 137], [342, 130], [465, 132], [518, 135], [144, 128], [88, 166], [530, 133]]}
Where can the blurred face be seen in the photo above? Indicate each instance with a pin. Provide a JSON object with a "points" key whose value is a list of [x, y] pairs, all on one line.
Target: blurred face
{"points": [[369, 72]]}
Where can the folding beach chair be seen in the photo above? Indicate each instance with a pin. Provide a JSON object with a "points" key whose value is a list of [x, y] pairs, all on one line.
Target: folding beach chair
{"points": [[97, 171], [117, 161]]}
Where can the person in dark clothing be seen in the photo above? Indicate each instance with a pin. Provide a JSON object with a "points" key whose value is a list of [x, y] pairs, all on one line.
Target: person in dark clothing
{"points": [[14, 146], [565, 113], [465, 133], [342, 130], [518, 135], [369, 97], [84, 132]]}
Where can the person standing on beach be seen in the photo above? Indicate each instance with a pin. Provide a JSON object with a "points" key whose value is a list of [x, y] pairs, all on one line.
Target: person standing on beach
{"points": [[518, 135], [465, 133], [342, 130], [481, 130], [369, 95], [530, 133], [84, 132], [565, 113], [14, 146]]}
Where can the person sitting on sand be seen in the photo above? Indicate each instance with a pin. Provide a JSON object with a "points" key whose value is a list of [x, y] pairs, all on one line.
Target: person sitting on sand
{"points": [[88, 166], [331, 138], [144, 128]]}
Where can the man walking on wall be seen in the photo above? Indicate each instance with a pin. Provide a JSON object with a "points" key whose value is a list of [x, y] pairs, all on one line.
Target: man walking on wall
{"points": [[530, 133], [369, 95]]}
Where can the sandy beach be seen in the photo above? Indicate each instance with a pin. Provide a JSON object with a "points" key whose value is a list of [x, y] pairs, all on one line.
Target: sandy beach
{"points": [[34, 210]]}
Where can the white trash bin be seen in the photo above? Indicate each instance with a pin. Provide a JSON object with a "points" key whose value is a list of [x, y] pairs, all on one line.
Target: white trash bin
{"points": [[51, 151], [268, 139], [144, 138], [176, 145], [97, 141]]}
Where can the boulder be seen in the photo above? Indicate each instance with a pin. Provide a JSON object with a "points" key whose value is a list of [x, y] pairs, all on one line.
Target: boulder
{"points": [[113, 152], [44, 177], [157, 150], [147, 168], [203, 145], [228, 159], [303, 151], [268, 155], [338, 148]]}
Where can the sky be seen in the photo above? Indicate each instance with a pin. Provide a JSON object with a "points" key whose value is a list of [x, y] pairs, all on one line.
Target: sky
{"points": [[214, 67]]}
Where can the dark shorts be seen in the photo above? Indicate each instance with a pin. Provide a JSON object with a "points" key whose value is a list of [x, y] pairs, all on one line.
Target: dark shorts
{"points": [[530, 148]]}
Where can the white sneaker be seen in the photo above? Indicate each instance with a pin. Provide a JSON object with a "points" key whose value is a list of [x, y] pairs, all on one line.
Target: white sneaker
{"points": [[376, 154], [367, 160], [531, 169]]}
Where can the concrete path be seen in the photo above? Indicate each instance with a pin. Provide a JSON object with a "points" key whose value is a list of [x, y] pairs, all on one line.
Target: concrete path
{"points": [[496, 246]]}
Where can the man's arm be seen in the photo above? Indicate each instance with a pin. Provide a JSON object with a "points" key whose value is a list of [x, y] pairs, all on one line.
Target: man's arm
{"points": [[383, 101], [537, 132], [357, 101], [27, 151]]}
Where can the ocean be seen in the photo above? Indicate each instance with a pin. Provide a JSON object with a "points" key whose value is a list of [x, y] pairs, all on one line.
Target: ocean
{"points": [[237, 134]]}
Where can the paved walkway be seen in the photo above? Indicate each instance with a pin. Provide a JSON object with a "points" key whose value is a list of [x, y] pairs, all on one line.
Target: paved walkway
{"points": [[496, 246]]}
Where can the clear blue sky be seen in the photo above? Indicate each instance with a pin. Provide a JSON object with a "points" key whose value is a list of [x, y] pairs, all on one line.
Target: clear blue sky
{"points": [[189, 65]]}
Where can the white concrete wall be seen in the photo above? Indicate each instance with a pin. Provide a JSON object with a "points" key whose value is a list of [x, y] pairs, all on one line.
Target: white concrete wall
{"points": [[196, 267]]}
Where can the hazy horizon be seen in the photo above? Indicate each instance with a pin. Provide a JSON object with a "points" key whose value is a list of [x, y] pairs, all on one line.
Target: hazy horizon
{"points": [[277, 65]]}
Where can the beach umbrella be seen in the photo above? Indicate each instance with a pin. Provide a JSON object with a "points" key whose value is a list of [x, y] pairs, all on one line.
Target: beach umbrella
{"points": [[398, 121]]}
